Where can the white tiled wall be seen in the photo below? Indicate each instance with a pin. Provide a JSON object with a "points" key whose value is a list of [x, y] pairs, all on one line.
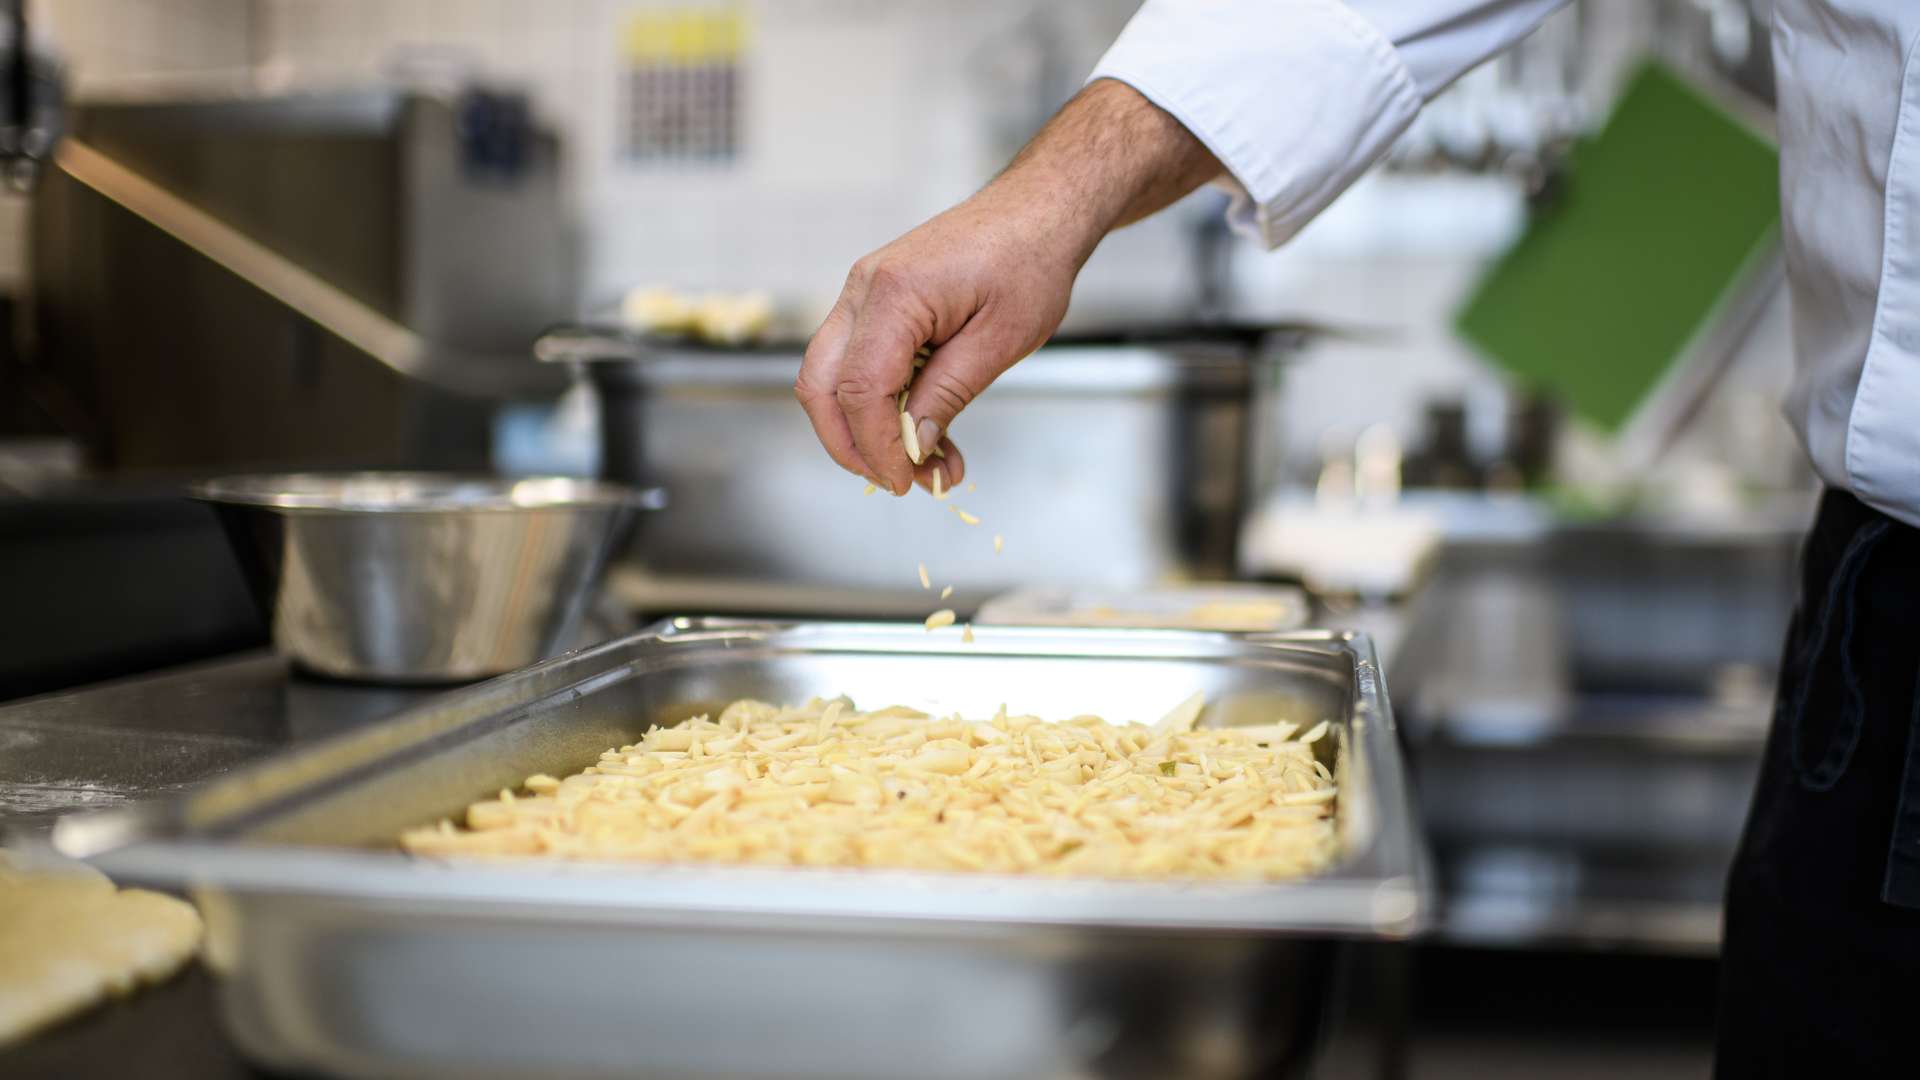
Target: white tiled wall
{"points": [[861, 116], [109, 45]]}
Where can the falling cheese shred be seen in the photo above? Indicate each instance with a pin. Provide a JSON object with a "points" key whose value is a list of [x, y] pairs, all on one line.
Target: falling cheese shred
{"points": [[943, 617], [925, 581], [823, 784]]}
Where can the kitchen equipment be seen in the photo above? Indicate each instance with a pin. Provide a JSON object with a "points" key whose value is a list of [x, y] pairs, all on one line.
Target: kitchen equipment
{"points": [[1588, 707], [1235, 606], [32, 99], [421, 577], [1115, 461], [342, 955], [314, 280], [1630, 292]]}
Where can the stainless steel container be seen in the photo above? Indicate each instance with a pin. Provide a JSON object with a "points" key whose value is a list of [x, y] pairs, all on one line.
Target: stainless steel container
{"points": [[417, 577], [343, 955], [1111, 462]]}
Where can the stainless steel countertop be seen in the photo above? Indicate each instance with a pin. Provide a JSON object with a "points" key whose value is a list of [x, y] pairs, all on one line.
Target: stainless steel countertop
{"points": [[159, 733], [145, 736]]}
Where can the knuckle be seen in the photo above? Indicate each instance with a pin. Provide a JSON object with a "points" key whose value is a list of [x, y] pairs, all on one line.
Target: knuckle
{"points": [[887, 281], [857, 388], [948, 393], [806, 385]]}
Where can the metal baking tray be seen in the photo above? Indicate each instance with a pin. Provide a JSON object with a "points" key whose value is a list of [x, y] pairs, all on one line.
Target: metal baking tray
{"points": [[343, 955]]}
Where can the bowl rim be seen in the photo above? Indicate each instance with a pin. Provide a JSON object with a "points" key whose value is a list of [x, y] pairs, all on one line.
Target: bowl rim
{"points": [[318, 492]]}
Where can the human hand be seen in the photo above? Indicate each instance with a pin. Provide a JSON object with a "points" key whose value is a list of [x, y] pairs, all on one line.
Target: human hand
{"points": [[984, 284]]}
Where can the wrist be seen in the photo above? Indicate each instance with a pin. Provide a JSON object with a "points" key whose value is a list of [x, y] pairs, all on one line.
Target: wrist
{"points": [[1056, 205], [1108, 158]]}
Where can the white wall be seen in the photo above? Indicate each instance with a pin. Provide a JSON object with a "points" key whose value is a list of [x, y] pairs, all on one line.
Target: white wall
{"points": [[110, 45], [862, 118]]}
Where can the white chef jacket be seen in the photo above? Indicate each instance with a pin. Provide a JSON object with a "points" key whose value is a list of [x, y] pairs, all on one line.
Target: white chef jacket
{"points": [[1297, 97]]}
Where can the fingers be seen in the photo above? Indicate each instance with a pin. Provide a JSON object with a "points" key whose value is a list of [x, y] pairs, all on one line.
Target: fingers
{"points": [[890, 325], [956, 374], [815, 389], [951, 467]]}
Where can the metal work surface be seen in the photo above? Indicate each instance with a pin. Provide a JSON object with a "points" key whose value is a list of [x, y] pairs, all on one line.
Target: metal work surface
{"points": [[338, 946], [152, 736], [161, 734]]}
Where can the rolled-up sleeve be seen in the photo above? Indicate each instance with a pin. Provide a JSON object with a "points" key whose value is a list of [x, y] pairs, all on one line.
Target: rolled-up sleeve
{"points": [[1298, 97]]}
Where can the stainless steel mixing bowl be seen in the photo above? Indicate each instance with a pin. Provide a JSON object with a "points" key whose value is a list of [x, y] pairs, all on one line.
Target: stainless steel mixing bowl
{"points": [[415, 577]]}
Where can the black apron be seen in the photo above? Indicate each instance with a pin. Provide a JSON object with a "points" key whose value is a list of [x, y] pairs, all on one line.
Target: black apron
{"points": [[1820, 967]]}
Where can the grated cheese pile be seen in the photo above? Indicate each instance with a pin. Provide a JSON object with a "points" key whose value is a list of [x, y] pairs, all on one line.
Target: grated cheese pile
{"points": [[823, 784]]}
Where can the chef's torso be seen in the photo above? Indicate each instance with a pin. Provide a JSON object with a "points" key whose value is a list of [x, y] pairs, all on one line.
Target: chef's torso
{"points": [[1849, 92]]}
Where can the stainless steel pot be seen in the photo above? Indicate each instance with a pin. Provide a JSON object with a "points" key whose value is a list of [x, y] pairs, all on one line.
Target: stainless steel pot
{"points": [[412, 577], [1111, 462]]}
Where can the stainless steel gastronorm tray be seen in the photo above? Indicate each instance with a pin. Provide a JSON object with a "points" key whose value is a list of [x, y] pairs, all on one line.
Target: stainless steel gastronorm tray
{"points": [[344, 955]]}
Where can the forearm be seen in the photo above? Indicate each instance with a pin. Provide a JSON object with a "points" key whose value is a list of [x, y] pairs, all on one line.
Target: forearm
{"points": [[1108, 158]]}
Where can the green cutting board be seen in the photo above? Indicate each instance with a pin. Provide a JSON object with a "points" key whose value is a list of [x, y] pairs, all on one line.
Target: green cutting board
{"points": [[1661, 217]]}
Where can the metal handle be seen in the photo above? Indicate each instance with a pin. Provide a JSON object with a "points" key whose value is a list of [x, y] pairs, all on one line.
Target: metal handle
{"points": [[340, 314]]}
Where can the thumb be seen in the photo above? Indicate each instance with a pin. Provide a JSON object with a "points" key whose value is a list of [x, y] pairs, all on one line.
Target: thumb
{"points": [[956, 373]]}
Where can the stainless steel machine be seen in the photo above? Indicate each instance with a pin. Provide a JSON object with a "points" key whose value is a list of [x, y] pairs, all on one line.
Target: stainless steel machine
{"points": [[316, 280], [1117, 460]]}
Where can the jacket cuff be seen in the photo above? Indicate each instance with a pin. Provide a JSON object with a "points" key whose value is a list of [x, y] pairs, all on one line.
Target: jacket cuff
{"points": [[1296, 98]]}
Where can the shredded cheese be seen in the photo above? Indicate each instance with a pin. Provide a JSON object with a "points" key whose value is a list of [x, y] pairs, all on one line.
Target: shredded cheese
{"points": [[908, 438], [823, 784]]}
